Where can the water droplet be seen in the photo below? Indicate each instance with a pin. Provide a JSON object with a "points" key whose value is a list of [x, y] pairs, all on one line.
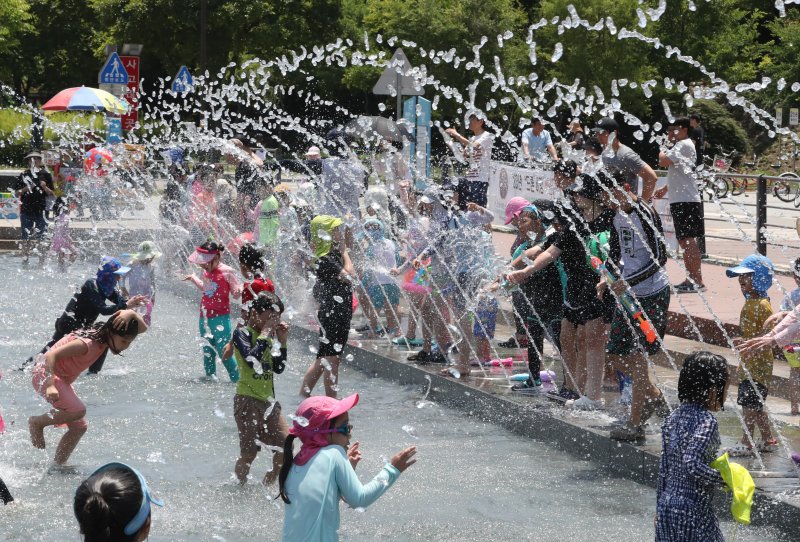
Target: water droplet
{"points": [[338, 299], [349, 357], [410, 430], [558, 50], [313, 349], [299, 420]]}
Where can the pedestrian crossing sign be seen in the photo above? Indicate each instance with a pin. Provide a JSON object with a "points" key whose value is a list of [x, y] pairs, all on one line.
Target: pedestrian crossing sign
{"points": [[113, 72]]}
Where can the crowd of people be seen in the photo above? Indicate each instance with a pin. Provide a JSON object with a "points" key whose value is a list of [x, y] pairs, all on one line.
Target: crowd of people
{"points": [[585, 274]]}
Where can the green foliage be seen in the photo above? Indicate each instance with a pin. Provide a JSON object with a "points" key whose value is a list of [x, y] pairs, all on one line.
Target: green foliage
{"points": [[722, 129]]}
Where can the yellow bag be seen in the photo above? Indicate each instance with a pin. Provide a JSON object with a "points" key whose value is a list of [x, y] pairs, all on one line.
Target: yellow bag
{"points": [[738, 480]]}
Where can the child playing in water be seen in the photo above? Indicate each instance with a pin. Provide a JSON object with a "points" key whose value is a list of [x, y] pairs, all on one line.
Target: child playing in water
{"points": [[141, 279], [755, 371], [257, 413], [690, 442], [219, 284], [251, 263], [333, 292], [62, 243], [314, 481], [53, 377], [792, 302], [113, 504], [383, 292]]}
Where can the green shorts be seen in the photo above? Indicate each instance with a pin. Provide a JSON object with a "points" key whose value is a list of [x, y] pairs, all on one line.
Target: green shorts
{"points": [[626, 337]]}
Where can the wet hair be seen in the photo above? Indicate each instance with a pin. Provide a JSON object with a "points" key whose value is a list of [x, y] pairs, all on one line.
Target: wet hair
{"points": [[102, 331], [796, 267], [696, 116], [105, 503], [702, 371], [592, 144], [213, 246], [681, 122], [250, 256], [568, 168], [288, 461], [266, 301], [535, 120]]}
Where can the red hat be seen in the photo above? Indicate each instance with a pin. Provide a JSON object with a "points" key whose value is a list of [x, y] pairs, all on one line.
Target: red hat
{"points": [[514, 208], [312, 417]]}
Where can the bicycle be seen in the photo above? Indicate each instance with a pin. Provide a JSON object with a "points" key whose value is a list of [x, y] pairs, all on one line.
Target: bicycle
{"points": [[786, 191]]}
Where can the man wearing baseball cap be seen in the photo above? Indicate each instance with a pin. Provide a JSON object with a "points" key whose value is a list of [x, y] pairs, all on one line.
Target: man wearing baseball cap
{"points": [[619, 158]]}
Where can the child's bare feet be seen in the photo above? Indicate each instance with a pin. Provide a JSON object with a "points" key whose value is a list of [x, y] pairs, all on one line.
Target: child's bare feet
{"points": [[37, 433]]}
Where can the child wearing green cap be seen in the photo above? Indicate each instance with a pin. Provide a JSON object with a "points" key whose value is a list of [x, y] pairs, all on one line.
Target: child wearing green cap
{"points": [[755, 371]]}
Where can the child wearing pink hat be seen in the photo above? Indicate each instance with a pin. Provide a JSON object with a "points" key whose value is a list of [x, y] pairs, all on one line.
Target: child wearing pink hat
{"points": [[314, 481]]}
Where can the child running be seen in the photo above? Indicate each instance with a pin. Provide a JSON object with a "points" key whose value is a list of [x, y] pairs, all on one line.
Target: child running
{"points": [[755, 371], [314, 481], [53, 377], [690, 442], [333, 292], [219, 284], [88, 304], [141, 280], [257, 413], [113, 504]]}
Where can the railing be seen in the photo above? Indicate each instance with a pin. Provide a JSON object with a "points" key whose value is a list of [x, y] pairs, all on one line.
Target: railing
{"points": [[785, 188]]}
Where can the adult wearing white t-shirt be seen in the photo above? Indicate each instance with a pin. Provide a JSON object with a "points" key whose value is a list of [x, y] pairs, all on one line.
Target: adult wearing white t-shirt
{"points": [[478, 152], [537, 143], [684, 200]]}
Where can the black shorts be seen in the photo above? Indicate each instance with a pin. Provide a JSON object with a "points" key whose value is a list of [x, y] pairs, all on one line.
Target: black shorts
{"points": [[334, 327], [748, 398], [578, 316], [688, 219]]}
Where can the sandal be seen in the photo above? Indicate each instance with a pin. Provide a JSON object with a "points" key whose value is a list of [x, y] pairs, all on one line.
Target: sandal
{"points": [[768, 446]]}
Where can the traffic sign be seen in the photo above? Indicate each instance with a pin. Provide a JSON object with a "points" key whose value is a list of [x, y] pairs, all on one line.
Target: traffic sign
{"points": [[395, 76], [113, 130], [113, 71], [183, 81], [131, 64], [794, 116]]}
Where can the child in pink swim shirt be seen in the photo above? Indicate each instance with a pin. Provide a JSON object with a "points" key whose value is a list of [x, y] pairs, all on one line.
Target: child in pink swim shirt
{"points": [[219, 284], [60, 367]]}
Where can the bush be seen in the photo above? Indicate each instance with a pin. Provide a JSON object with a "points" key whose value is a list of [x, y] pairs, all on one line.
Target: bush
{"points": [[722, 129]]}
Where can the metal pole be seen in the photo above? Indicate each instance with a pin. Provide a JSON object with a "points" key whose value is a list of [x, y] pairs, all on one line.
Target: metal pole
{"points": [[761, 215], [203, 32], [399, 97]]}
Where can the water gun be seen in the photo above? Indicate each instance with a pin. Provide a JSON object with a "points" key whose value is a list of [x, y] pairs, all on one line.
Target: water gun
{"points": [[627, 302]]}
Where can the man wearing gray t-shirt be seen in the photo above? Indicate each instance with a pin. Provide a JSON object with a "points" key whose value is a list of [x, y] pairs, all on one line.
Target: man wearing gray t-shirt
{"points": [[621, 159]]}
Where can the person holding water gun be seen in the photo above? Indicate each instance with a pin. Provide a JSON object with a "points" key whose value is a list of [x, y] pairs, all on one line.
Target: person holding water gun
{"points": [[634, 271]]}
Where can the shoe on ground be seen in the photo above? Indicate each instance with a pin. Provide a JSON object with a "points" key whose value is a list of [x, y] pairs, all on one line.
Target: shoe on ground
{"points": [[739, 450], [362, 328], [584, 403], [438, 357], [405, 341], [513, 343], [529, 387], [768, 446], [627, 433], [689, 288], [419, 357]]}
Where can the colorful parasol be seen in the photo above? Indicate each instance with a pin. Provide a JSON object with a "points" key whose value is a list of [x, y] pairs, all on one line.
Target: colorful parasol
{"points": [[86, 99]]}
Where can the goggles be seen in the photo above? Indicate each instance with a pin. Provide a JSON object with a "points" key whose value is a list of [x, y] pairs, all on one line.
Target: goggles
{"points": [[141, 516], [344, 429]]}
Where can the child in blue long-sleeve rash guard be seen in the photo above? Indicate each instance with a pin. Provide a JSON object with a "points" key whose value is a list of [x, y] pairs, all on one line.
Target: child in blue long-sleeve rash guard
{"points": [[690, 436], [322, 473]]}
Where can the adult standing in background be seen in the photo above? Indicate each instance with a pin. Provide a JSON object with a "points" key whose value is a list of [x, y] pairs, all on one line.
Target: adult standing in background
{"points": [[32, 188], [698, 136], [478, 152], [622, 159], [537, 144], [575, 137], [247, 182], [684, 201]]}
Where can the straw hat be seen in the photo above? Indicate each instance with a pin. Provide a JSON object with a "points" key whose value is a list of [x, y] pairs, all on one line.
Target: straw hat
{"points": [[147, 250]]}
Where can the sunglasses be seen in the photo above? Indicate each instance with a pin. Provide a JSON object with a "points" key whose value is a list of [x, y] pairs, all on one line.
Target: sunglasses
{"points": [[346, 428], [141, 516]]}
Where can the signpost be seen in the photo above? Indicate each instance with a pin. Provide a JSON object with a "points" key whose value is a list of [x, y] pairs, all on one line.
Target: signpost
{"points": [[417, 113], [131, 64], [779, 116], [113, 72], [113, 130], [395, 80], [183, 81], [794, 116]]}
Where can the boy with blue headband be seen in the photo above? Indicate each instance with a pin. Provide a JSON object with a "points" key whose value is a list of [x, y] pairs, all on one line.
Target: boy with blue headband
{"points": [[755, 371]]}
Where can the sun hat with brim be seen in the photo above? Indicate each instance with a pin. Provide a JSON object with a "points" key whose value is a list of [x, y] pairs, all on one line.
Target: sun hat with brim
{"points": [[312, 419], [514, 207], [313, 151], [202, 255], [33, 154], [138, 521], [760, 267], [147, 250]]}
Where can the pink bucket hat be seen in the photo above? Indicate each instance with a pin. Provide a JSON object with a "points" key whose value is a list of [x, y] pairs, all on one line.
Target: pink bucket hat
{"points": [[311, 421], [514, 208]]}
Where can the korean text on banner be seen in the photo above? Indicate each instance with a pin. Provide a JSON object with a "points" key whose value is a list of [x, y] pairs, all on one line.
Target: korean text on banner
{"points": [[507, 181]]}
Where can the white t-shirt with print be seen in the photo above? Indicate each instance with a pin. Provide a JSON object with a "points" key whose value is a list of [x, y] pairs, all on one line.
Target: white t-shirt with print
{"points": [[480, 157], [681, 177]]}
